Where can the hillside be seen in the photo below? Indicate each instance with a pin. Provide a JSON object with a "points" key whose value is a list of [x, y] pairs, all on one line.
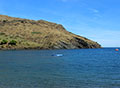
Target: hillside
{"points": [[17, 33]]}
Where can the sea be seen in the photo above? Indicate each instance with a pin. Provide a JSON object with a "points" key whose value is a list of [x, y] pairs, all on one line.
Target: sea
{"points": [[75, 68]]}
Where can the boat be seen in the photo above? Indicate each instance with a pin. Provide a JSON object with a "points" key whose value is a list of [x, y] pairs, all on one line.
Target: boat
{"points": [[58, 55]]}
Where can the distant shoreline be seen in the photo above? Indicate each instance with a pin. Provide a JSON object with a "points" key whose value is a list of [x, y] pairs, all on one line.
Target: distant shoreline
{"points": [[46, 49], [57, 49]]}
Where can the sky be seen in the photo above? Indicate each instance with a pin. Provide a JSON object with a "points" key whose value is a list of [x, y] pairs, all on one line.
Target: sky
{"points": [[98, 20]]}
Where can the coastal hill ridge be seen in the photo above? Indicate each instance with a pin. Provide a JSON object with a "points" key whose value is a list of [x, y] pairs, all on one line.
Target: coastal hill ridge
{"points": [[18, 33]]}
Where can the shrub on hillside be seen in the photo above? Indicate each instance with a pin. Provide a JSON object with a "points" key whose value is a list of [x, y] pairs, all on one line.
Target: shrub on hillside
{"points": [[36, 32], [1, 33], [12, 42], [4, 42]]}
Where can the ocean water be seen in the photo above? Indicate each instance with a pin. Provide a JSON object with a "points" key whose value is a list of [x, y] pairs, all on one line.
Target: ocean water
{"points": [[80, 68]]}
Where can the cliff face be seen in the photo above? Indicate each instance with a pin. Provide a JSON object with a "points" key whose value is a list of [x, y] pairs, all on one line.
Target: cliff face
{"points": [[30, 34]]}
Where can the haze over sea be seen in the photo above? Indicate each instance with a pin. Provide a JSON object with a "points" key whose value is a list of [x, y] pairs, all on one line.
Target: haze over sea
{"points": [[80, 68]]}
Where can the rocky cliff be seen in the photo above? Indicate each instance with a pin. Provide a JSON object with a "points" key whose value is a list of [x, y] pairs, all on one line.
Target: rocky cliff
{"points": [[17, 33]]}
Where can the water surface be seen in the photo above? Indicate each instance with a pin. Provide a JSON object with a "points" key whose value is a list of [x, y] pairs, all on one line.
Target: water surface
{"points": [[82, 68]]}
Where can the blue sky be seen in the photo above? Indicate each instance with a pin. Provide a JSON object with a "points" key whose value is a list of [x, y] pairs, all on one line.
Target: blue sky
{"points": [[98, 20]]}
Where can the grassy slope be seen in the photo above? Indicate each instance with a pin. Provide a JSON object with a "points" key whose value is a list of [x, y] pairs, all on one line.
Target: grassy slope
{"points": [[39, 34]]}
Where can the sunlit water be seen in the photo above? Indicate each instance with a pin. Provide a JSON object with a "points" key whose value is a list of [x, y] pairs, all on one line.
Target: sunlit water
{"points": [[83, 68]]}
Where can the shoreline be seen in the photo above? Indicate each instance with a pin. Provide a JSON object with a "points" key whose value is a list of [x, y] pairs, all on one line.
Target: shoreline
{"points": [[46, 49]]}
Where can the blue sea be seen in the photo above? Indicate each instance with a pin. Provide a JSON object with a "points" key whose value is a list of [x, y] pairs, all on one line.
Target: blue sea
{"points": [[79, 68]]}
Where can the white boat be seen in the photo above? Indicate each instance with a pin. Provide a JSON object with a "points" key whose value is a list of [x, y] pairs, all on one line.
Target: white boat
{"points": [[58, 55]]}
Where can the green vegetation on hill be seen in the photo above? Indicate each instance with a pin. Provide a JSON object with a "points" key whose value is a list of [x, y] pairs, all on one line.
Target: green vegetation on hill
{"points": [[17, 33]]}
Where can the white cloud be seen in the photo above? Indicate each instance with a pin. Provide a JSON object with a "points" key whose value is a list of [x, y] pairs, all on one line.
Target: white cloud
{"points": [[94, 10]]}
